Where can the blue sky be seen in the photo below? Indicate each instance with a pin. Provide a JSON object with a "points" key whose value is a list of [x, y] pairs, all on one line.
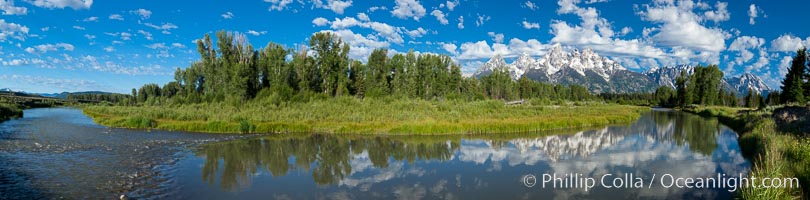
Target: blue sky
{"points": [[80, 45]]}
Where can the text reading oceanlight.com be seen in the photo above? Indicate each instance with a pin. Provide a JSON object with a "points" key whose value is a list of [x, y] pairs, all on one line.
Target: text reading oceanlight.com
{"points": [[631, 181]]}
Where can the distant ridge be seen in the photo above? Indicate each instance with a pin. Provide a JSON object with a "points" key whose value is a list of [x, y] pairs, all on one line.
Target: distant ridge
{"points": [[587, 68], [601, 74]]}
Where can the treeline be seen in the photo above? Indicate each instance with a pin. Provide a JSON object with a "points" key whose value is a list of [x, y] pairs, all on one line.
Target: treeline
{"points": [[639, 99], [702, 87], [233, 71], [99, 97]]}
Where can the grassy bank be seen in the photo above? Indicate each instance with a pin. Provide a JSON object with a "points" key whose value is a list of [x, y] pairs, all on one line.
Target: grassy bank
{"points": [[773, 153], [739, 119], [351, 115], [9, 111]]}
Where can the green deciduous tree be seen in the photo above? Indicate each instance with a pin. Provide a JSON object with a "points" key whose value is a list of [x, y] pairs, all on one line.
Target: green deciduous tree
{"points": [[664, 96], [377, 73], [357, 78], [332, 60], [231, 70], [682, 91]]}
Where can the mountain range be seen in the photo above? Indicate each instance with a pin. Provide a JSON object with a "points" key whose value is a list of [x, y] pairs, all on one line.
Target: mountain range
{"points": [[601, 74], [666, 76], [64, 95]]}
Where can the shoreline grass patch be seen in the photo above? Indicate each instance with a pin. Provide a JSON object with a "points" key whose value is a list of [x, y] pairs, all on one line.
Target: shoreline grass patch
{"points": [[773, 153], [365, 116], [9, 111]]}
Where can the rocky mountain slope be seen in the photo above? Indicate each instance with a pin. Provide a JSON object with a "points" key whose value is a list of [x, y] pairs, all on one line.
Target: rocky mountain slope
{"points": [[601, 74], [666, 76]]}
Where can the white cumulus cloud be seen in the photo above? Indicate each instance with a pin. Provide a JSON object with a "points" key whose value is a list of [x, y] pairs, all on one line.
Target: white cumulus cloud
{"points": [[256, 33], [450, 48], [746, 42], [440, 16], [405, 9], [165, 27], [744, 46], [363, 17], [90, 19], [752, 14], [419, 32], [473, 51], [8, 8], [45, 48], [12, 30], [144, 13], [496, 37], [451, 5], [530, 25], [596, 32], [680, 26], [320, 21], [116, 17], [786, 43], [336, 6], [390, 33], [278, 4], [227, 15], [361, 46], [51, 4], [719, 15], [482, 19], [530, 5]]}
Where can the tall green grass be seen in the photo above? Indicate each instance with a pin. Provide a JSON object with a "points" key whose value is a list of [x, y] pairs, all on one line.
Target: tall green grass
{"points": [[9, 111], [773, 154], [777, 154], [740, 119], [365, 116]]}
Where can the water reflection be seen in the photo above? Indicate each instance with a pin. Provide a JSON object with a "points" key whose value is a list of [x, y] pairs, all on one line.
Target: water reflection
{"points": [[59, 153], [474, 166], [329, 158]]}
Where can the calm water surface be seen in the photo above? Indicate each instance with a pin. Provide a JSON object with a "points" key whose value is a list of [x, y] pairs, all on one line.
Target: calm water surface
{"points": [[54, 153]]}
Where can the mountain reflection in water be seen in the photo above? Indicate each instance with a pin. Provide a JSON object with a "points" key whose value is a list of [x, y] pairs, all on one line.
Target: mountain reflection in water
{"points": [[471, 166]]}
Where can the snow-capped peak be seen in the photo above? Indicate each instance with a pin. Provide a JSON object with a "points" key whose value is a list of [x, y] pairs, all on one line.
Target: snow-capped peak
{"points": [[496, 63], [748, 81], [525, 62], [579, 61], [556, 59], [666, 76]]}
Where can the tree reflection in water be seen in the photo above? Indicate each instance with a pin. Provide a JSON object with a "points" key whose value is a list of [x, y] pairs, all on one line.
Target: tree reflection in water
{"points": [[328, 157], [688, 129]]}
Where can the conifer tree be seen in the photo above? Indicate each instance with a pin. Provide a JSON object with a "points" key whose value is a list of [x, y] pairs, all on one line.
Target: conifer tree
{"points": [[792, 85]]}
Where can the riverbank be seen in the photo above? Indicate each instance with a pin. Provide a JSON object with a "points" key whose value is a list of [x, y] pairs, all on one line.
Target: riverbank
{"points": [[773, 150], [9, 111], [366, 116]]}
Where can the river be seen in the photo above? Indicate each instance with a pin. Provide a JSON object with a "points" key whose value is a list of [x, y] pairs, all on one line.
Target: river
{"points": [[60, 153]]}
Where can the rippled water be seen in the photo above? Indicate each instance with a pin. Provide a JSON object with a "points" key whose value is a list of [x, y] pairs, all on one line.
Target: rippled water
{"points": [[60, 153]]}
